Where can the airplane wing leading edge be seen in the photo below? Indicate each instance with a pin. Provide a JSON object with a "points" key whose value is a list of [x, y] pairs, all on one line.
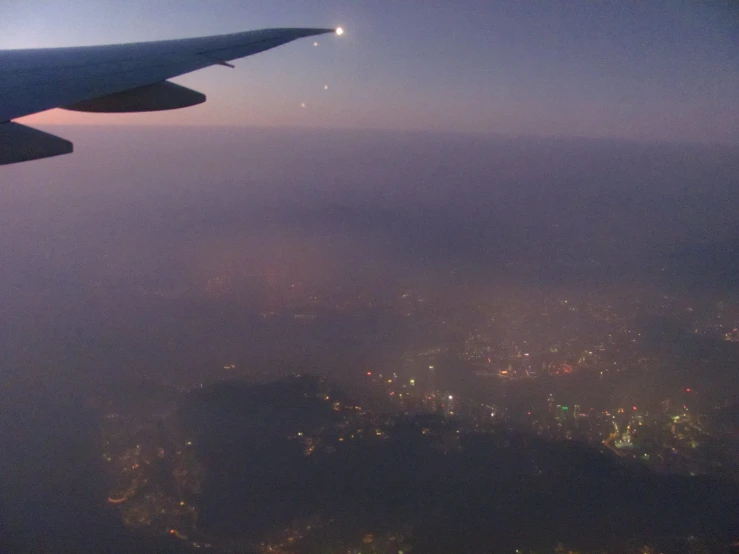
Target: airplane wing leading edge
{"points": [[115, 78]]}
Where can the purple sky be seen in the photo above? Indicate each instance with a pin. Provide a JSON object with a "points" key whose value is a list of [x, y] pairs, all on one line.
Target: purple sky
{"points": [[644, 70]]}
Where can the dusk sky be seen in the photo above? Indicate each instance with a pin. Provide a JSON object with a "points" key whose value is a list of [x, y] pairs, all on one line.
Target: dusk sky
{"points": [[665, 70]]}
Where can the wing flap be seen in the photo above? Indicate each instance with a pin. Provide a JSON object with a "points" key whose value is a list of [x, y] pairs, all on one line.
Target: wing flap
{"points": [[19, 143]]}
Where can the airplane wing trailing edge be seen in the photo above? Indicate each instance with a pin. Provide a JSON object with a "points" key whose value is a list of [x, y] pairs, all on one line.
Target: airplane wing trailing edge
{"points": [[115, 78]]}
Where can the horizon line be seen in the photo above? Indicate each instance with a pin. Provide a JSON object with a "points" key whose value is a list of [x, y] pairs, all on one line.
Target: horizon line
{"points": [[471, 134]]}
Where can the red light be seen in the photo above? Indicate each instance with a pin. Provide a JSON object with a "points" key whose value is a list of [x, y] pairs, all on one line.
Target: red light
{"points": [[634, 407], [687, 390], [529, 413], [369, 373]]}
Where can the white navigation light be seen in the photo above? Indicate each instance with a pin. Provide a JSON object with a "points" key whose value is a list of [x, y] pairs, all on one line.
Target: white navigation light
{"points": [[339, 31]]}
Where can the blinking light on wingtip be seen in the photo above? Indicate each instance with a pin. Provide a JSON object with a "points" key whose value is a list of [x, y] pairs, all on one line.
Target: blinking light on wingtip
{"points": [[339, 31]]}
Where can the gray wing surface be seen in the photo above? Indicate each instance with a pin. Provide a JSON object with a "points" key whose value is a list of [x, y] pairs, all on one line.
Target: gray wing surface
{"points": [[114, 78]]}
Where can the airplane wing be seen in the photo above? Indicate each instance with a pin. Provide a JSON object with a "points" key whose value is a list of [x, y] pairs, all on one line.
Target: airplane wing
{"points": [[114, 78]]}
